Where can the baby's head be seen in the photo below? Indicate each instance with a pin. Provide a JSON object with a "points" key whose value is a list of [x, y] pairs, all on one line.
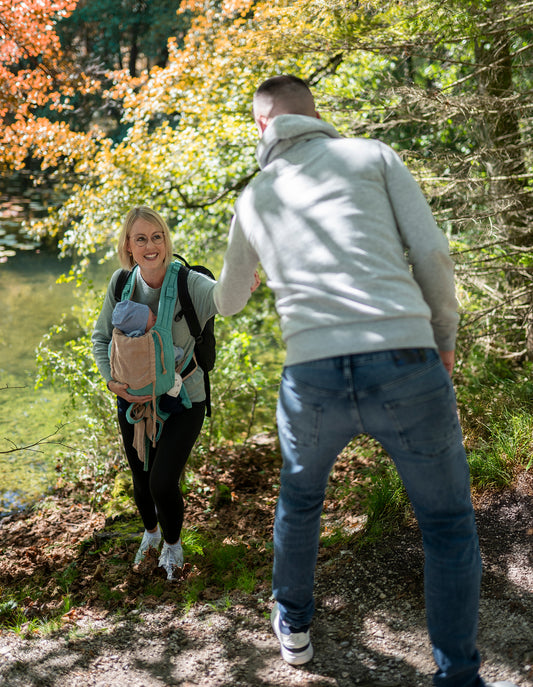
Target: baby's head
{"points": [[132, 318]]}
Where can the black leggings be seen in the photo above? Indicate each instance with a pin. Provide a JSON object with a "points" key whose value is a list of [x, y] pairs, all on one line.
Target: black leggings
{"points": [[157, 491]]}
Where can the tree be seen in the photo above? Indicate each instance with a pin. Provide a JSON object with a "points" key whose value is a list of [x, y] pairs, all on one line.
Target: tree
{"points": [[115, 35], [409, 73], [447, 85], [34, 75]]}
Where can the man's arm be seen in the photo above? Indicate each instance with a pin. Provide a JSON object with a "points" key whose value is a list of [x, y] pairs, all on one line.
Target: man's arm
{"points": [[427, 248], [238, 278]]}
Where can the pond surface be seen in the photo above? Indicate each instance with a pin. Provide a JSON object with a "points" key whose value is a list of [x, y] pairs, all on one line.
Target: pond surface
{"points": [[31, 302], [20, 201]]}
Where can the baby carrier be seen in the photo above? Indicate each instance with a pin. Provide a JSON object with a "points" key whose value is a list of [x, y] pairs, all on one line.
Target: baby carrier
{"points": [[146, 363]]}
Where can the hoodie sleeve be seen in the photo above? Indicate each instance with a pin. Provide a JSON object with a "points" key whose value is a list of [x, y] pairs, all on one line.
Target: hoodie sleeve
{"points": [[233, 289], [427, 248], [103, 331]]}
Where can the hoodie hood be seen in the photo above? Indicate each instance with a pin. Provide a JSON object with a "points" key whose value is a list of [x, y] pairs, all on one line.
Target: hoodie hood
{"points": [[286, 130]]}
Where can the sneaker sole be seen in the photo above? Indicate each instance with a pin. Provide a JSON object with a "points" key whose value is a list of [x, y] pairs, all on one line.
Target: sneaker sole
{"points": [[294, 657]]}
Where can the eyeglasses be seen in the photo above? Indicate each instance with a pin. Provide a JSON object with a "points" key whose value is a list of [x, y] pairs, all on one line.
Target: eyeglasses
{"points": [[141, 240]]}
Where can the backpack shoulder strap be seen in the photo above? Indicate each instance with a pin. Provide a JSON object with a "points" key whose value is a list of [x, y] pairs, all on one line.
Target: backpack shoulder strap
{"points": [[182, 260], [188, 311], [187, 307], [121, 283]]}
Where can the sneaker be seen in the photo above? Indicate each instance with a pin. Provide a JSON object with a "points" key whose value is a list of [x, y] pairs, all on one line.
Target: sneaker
{"points": [[296, 647], [149, 540], [500, 684], [171, 558]]}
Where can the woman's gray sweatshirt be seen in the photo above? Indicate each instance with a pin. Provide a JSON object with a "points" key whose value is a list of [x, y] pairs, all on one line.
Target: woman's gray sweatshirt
{"points": [[347, 241], [201, 291]]}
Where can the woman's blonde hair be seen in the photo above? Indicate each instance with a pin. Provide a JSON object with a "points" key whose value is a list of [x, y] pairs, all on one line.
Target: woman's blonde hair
{"points": [[149, 215]]}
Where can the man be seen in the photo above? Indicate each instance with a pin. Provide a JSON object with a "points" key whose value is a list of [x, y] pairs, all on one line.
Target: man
{"points": [[364, 288]]}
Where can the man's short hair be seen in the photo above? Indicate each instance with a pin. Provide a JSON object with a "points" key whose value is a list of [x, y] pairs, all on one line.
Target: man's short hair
{"points": [[285, 82], [286, 94]]}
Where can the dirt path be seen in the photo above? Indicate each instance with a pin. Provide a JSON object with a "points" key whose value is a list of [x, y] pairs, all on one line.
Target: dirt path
{"points": [[369, 628]]}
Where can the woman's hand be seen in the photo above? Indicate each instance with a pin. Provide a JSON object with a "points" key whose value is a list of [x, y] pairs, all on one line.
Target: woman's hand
{"points": [[122, 390]]}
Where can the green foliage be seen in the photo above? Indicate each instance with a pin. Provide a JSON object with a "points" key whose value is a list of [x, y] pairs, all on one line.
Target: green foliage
{"points": [[66, 577], [224, 566], [491, 390], [65, 360], [386, 503], [16, 614], [110, 29], [246, 376], [489, 469], [496, 407]]}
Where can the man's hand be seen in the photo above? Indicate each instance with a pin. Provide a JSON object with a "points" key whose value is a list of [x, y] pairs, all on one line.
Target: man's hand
{"points": [[257, 281], [448, 359]]}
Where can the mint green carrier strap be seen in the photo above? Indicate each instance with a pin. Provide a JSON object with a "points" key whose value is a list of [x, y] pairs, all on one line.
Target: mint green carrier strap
{"points": [[167, 298], [169, 294]]}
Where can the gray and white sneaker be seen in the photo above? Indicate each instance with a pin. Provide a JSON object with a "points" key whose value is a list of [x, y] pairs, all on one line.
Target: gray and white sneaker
{"points": [[500, 684], [149, 540], [296, 647], [171, 558]]}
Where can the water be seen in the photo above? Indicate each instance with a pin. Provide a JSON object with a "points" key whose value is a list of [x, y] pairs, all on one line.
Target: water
{"points": [[19, 200], [31, 301]]}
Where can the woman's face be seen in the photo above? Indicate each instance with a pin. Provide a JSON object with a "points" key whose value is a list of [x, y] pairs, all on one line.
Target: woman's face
{"points": [[146, 242]]}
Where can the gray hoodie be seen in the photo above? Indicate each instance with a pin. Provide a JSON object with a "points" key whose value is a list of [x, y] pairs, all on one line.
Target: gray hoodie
{"points": [[347, 241]]}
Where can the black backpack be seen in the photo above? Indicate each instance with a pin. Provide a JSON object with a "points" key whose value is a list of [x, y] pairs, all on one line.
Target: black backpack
{"points": [[205, 346]]}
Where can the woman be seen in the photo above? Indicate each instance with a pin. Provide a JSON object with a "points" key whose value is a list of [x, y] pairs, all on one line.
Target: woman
{"points": [[145, 242]]}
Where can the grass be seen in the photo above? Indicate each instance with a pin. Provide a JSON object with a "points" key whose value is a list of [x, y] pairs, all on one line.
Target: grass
{"points": [[225, 567], [17, 617], [386, 503], [509, 447]]}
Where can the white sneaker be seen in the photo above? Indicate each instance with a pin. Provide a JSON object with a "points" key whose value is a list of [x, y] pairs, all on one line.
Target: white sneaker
{"points": [[171, 558], [500, 684], [149, 540], [296, 647]]}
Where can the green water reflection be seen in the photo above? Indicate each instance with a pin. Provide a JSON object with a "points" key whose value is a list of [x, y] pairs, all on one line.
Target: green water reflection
{"points": [[31, 302]]}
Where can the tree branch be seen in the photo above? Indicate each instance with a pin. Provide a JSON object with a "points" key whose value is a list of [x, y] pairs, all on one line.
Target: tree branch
{"points": [[40, 442]]}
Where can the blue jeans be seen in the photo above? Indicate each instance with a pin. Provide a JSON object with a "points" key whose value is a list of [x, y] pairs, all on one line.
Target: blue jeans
{"points": [[405, 400]]}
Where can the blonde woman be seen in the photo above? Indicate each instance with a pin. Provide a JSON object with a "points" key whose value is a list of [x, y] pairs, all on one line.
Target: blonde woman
{"points": [[145, 242]]}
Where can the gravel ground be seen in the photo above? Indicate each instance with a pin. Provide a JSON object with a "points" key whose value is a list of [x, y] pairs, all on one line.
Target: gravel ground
{"points": [[369, 628]]}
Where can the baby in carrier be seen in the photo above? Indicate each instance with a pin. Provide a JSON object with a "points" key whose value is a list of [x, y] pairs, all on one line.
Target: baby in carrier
{"points": [[135, 319]]}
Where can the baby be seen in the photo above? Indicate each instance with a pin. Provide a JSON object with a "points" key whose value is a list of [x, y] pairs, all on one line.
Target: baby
{"points": [[135, 319]]}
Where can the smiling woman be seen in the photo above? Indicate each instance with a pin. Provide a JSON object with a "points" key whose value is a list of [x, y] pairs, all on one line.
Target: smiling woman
{"points": [[158, 429]]}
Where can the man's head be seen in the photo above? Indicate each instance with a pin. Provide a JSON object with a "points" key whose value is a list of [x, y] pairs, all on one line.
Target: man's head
{"points": [[285, 94]]}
